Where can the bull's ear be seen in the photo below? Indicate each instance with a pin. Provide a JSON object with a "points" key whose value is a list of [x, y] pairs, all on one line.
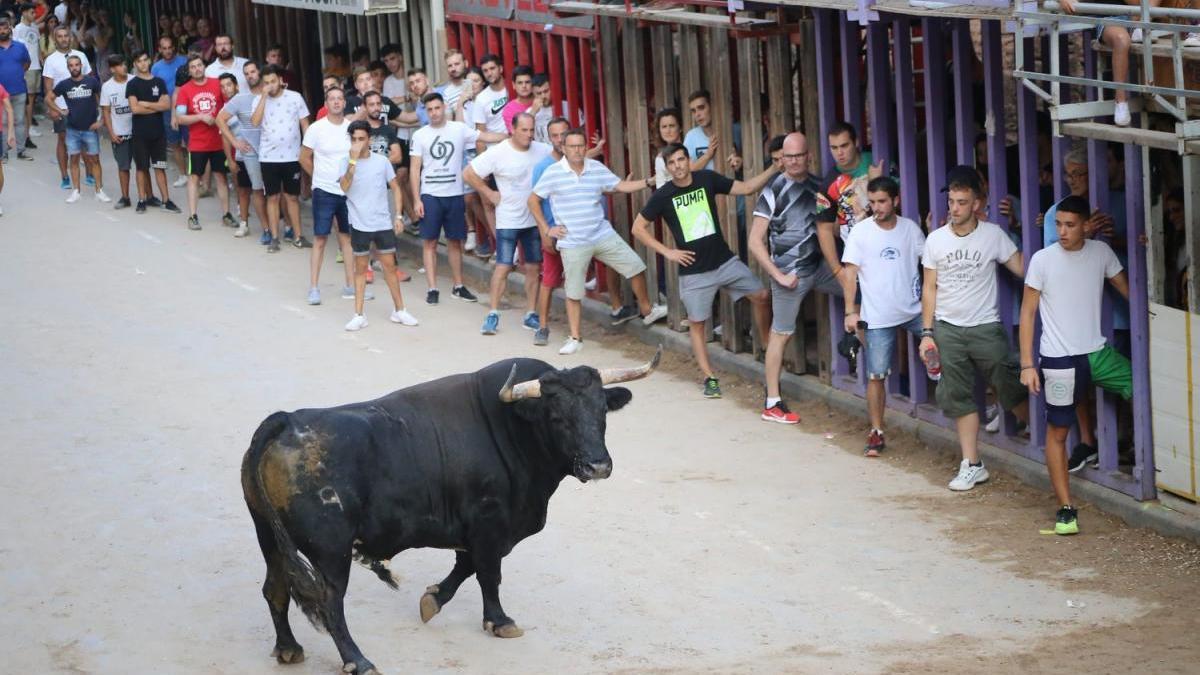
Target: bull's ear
{"points": [[617, 397]]}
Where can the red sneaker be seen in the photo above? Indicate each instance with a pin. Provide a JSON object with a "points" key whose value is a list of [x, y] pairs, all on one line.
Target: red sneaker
{"points": [[402, 276], [370, 275], [875, 443], [780, 413]]}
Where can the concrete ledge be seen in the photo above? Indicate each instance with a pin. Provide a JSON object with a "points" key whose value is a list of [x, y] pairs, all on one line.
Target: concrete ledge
{"points": [[1150, 514]]}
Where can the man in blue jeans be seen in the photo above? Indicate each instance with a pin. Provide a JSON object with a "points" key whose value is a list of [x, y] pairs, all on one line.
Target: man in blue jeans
{"points": [[166, 68], [14, 61]]}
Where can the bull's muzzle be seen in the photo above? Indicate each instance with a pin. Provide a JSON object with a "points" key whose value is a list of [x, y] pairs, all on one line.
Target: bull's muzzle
{"points": [[596, 470]]}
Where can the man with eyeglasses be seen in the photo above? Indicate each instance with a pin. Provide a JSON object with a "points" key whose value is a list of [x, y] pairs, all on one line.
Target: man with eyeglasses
{"points": [[783, 239]]}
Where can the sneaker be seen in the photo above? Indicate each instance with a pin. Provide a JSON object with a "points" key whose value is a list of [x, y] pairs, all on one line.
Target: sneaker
{"points": [[1081, 456], [301, 242], [154, 202], [73, 197], [339, 259], [370, 275], [623, 315], [875, 443], [171, 207], [182, 181], [101, 197], [531, 321], [264, 238], [779, 413], [1121, 115], [314, 296], [141, 207], [657, 313], [491, 324], [228, 220], [992, 415], [242, 230], [464, 294], [368, 294], [89, 181], [571, 346], [288, 234], [483, 251], [193, 223], [968, 476], [1067, 521], [33, 133], [469, 245], [22, 155], [402, 276], [1192, 40], [712, 388], [541, 337], [347, 292], [65, 184], [590, 284], [1136, 35], [122, 203], [401, 316], [273, 246], [431, 296], [359, 322]]}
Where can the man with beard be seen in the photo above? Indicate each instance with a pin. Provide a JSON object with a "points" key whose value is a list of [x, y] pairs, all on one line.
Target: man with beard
{"points": [[244, 141], [323, 152], [197, 103], [226, 62], [283, 117], [148, 100], [456, 82], [82, 117], [54, 70], [168, 64]]}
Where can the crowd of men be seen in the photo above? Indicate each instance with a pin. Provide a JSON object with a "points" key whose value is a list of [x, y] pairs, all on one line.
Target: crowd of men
{"points": [[464, 164]]}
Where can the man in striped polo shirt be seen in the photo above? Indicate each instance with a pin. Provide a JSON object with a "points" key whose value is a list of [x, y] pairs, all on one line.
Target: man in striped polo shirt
{"points": [[576, 187]]}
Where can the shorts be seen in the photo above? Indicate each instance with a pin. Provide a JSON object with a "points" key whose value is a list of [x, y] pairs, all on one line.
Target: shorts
{"points": [[33, 81], [149, 153], [360, 242], [281, 177], [174, 136], [86, 142], [785, 302], [506, 245], [698, 290], [612, 251], [326, 206], [552, 269], [198, 161], [961, 351], [444, 213], [404, 161], [881, 347], [1066, 380], [123, 153], [249, 173]]}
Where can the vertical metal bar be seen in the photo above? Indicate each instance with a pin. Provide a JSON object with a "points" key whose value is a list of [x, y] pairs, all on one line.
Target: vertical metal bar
{"points": [[592, 90], [1139, 323], [851, 63], [827, 27], [1031, 236], [878, 66], [934, 50], [910, 199], [571, 63], [825, 91], [538, 47], [508, 57], [554, 64], [523, 54], [964, 115], [637, 115]]}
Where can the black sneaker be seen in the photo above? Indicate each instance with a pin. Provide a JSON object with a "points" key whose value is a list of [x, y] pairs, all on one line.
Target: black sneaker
{"points": [[30, 145], [712, 388], [301, 242], [122, 203], [141, 207], [463, 293], [431, 296], [22, 155], [153, 202], [170, 206], [1080, 456], [193, 222], [273, 247], [623, 315]]}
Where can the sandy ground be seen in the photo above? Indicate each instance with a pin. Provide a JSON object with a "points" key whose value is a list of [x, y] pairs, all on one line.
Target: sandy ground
{"points": [[138, 358]]}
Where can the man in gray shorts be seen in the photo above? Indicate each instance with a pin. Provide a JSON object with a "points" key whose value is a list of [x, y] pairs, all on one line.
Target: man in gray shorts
{"points": [[785, 216], [243, 137], [688, 206]]}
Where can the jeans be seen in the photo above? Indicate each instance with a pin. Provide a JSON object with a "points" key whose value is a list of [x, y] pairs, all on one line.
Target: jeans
{"points": [[18, 106]]}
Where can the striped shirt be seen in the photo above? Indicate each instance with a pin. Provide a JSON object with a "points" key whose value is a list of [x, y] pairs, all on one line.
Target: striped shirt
{"points": [[577, 200]]}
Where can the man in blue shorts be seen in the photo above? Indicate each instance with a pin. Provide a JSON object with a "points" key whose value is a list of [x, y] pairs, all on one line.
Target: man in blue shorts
{"points": [[166, 68]]}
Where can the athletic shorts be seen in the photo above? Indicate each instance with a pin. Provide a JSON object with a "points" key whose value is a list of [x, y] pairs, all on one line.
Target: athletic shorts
{"points": [[552, 269], [785, 302], [123, 154], [881, 346], [404, 161], [281, 177], [612, 251], [149, 153], [82, 142], [360, 242], [444, 213], [697, 291], [199, 161], [1066, 380], [962, 351], [249, 173], [527, 237], [326, 207]]}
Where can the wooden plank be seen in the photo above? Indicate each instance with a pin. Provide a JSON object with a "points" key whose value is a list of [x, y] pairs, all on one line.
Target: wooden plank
{"points": [[720, 86], [750, 63], [690, 65], [614, 122], [662, 56], [633, 52]]}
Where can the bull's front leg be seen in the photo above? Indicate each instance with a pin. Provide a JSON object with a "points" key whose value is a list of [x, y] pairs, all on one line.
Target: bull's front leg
{"points": [[487, 549], [437, 595]]}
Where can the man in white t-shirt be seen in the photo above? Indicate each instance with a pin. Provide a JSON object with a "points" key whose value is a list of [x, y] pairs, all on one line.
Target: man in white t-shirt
{"points": [[118, 121], [226, 62], [366, 179], [959, 291], [489, 104], [323, 154], [54, 70], [452, 88], [511, 162], [1064, 285], [282, 116], [883, 257]]}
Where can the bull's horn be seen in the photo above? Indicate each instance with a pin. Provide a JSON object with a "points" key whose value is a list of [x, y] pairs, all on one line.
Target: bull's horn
{"points": [[618, 375], [515, 392]]}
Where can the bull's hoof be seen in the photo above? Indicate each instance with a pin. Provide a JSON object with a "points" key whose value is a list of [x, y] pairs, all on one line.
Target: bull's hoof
{"points": [[362, 668], [285, 655], [508, 630], [429, 604]]}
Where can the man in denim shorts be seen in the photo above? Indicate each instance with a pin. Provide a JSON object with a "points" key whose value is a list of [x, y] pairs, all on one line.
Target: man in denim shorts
{"points": [[324, 151], [82, 95]]}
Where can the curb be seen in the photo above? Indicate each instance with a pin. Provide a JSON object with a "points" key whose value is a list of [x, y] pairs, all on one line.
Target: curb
{"points": [[1153, 515]]}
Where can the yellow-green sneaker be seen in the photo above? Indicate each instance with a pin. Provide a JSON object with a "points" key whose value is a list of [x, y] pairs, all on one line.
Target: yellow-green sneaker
{"points": [[1067, 521], [712, 388]]}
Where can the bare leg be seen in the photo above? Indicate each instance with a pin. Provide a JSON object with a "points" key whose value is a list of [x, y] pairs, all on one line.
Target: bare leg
{"points": [[699, 348], [293, 213], [760, 307], [876, 399], [454, 251], [74, 160], [1056, 462], [123, 179], [968, 436], [222, 182], [776, 343], [347, 256], [574, 316], [1117, 38], [360, 281], [243, 198], [60, 153], [143, 185], [393, 284], [496, 290], [639, 292], [315, 260], [532, 271], [258, 200], [429, 256], [544, 305], [272, 223], [193, 194], [163, 188], [92, 163]]}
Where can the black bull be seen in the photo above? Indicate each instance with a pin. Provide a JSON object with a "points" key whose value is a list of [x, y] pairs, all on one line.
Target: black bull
{"points": [[466, 462]]}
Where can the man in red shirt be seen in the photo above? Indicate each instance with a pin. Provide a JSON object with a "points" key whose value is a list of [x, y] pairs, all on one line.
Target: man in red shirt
{"points": [[197, 103]]}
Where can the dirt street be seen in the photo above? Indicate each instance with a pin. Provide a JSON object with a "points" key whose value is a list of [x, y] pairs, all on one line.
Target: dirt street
{"points": [[138, 357]]}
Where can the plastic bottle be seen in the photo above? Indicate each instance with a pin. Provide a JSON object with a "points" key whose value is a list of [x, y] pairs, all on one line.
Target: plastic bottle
{"points": [[933, 363]]}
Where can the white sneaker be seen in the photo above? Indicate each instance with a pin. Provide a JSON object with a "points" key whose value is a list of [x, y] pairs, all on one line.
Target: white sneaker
{"points": [[402, 316], [968, 476], [101, 197], [571, 346], [1192, 40], [73, 197], [1136, 35], [657, 313], [590, 284], [1, 211], [182, 181], [992, 414], [470, 243], [359, 322], [242, 230], [1121, 114], [34, 133]]}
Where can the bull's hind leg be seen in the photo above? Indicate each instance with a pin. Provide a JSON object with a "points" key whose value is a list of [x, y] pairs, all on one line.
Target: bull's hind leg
{"points": [[438, 595], [275, 590], [336, 570]]}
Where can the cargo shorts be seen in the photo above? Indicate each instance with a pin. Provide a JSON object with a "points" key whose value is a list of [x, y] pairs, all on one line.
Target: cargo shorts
{"points": [[962, 350]]}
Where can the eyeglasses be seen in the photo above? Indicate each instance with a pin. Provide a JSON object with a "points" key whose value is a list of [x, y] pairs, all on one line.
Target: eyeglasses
{"points": [[1077, 174], [796, 156]]}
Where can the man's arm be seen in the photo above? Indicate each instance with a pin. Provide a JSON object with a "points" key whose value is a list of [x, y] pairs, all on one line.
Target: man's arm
{"points": [[395, 154], [928, 301], [642, 232], [490, 137], [260, 109], [51, 100], [1029, 307], [629, 186], [548, 234], [757, 243], [414, 179], [849, 281], [827, 240], [480, 186], [10, 132], [1121, 283], [397, 205], [1016, 265], [303, 125], [754, 184], [306, 158], [348, 177]]}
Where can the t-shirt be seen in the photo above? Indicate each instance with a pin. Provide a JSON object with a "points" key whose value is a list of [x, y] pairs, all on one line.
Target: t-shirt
{"points": [[791, 209], [367, 198], [450, 94], [216, 69], [29, 36], [577, 200], [889, 271], [441, 153], [388, 109], [82, 108], [12, 67], [541, 124], [395, 87], [966, 272], [147, 90], [241, 108], [513, 170], [280, 140], [691, 213], [55, 68], [511, 110], [1072, 285], [202, 99], [846, 190], [1120, 306], [382, 138], [113, 96], [167, 70], [488, 109], [538, 170], [697, 142], [331, 151]]}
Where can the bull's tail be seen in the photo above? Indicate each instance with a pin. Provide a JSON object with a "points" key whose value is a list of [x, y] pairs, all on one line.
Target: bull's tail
{"points": [[305, 584]]}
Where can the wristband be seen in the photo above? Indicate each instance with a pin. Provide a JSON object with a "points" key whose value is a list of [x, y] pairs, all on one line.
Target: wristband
{"points": [[926, 332], [353, 162], [1024, 368]]}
